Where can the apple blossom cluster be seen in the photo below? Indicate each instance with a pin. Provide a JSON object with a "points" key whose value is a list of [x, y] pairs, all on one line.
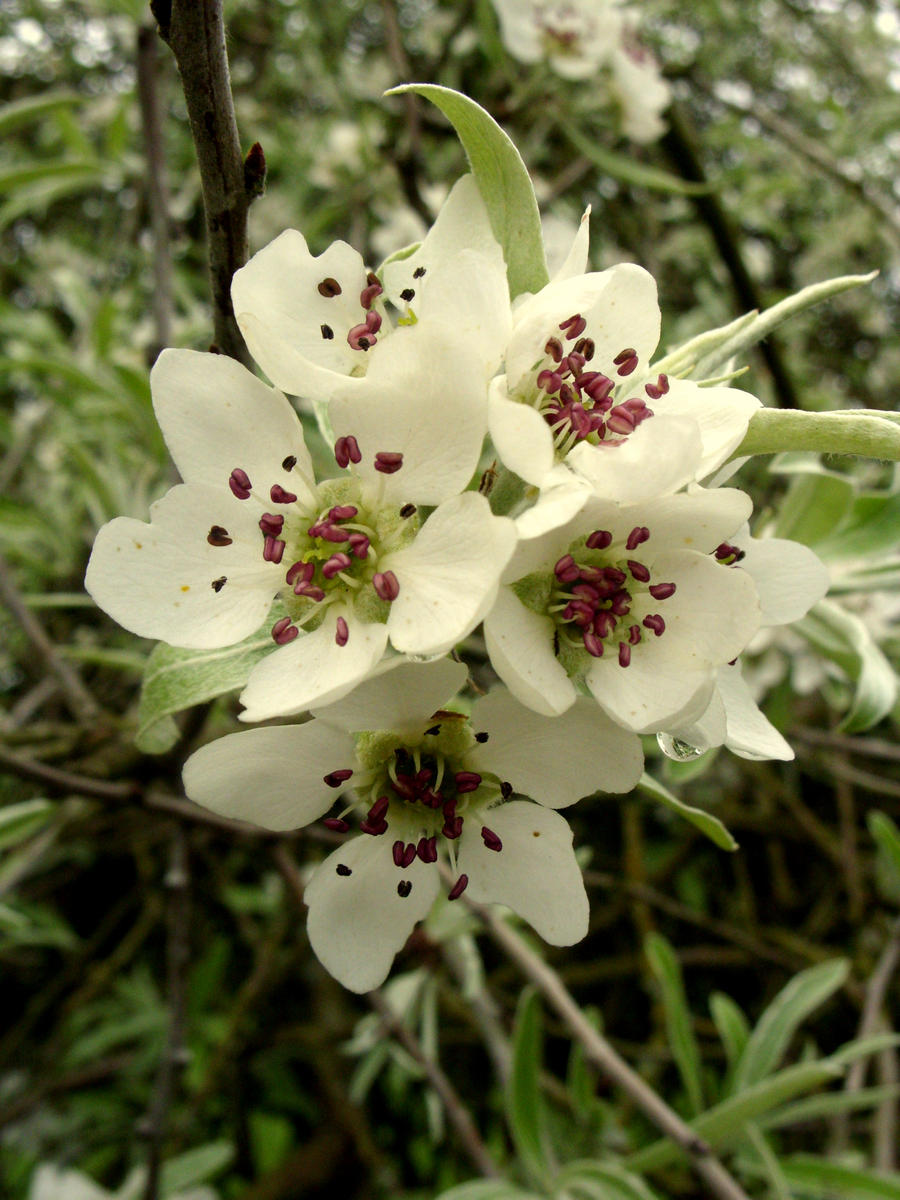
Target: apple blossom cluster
{"points": [[580, 39], [616, 595]]}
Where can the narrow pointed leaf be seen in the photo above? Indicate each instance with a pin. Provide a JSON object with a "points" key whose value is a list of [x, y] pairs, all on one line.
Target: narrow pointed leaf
{"points": [[524, 1102], [704, 821], [679, 1026]]}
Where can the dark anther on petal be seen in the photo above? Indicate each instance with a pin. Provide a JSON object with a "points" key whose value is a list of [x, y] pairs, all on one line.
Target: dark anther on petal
{"points": [[342, 632], [624, 654], [288, 464], [490, 839], [283, 631], [573, 326], [637, 537], [341, 869], [398, 850], [728, 554], [467, 781], [327, 332], [388, 461], [346, 451], [359, 544], [408, 294], [592, 644], [434, 730], [338, 824], [278, 495], [638, 571], [271, 524], [427, 849], [239, 482], [300, 572], [218, 584], [566, 569], [385, 583], [334, 565], [218, 536], [554, 348], [599, 539], [335, 778], [624, 355], [458, 888], [655, 622], [329, 287], [585, 347], [404, 887], [418, 272], [343, 512], [371, 278], [273, 549], [481, 737], [408, 510], [506, 789], [661, 591]]}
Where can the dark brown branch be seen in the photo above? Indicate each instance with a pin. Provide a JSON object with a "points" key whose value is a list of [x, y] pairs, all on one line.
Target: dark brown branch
{"points": [[157, 185], [195, 32]]}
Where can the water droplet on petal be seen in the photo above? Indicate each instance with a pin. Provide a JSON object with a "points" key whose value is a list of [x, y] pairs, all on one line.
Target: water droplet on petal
{"points": [[676, 749]]}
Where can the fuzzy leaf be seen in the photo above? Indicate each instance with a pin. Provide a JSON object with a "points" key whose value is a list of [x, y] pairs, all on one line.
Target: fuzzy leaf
{"points": [[704, 821], [503, 181], [666, 968], [524, 1103]]}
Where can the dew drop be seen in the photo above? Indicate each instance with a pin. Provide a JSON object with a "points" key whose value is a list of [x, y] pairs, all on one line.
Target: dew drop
{"points": [[676, 749]]}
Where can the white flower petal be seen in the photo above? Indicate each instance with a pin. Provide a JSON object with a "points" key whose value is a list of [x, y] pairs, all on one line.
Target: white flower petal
{"points": [[313, 669], [401, 696], [555, 760], [661, 456], [215, 415], [520, 645], [449, 575], [157, 579], [643, 93], [562, 497], [722, 414], [284, 317], [789, 577], [535, 874], [652, 693], [699, 519], [424, 398], [713, 614], [619, 306], [709, 729], [576, 260], [271, 777], [749, 732], [521, 436], [357, 923]]}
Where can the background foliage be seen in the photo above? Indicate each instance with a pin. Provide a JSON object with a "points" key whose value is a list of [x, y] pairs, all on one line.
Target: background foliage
{"points": [[119, 909]]}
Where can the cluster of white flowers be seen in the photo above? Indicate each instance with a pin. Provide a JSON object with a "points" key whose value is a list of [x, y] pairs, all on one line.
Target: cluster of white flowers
{"points": [[583, 38], [615, 597]]}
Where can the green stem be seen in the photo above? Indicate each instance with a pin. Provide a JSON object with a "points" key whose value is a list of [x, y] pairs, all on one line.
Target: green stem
{"points": [[863, 435]]}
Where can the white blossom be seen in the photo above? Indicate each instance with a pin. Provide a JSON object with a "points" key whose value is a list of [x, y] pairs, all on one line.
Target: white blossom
{"points": [[350, 558], [634, 604], [430, 785]]}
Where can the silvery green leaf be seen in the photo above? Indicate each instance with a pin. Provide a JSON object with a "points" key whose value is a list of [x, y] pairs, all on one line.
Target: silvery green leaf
{"points": [[704, 821]]}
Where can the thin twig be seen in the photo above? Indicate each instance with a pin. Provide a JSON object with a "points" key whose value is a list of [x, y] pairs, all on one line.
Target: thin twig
{"points": [[174, 1056], [157, 185], [717, 1179], [456, 1111], [195, 32], [876, 990], [79, 701]]}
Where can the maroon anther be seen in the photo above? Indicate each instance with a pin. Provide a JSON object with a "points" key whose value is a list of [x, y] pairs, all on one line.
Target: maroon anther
{"points": [[634, 634], [409, 854], [450, 808], [346, 451], [427, 849], [388, 461], [271, 524], [574, 363], [458, 888], [566, 569], [378, 809], [337, 563], [467, 781], [585, 347], [404, 887], [361, 337], [554, 348], [655, 390], [592, 644], [597, 385], [580, 612], [300, 572], [283, 631], [375, 828], [239, 482], [370, 293], [550, 381], [620, 604], [337, 824], [386, 585], [573, 326], [637, 537], [278, 495], [335, 778], [624, 654], [604, 623], [273, 549], [726, 553], [661, 591], [621, 421], [398, 850], [599, 539], [655, 622], [452, 828], [309, 591], [328, 532], [359, 544], [342, 512], [341, 633], [490, 839], [638, 571]]}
